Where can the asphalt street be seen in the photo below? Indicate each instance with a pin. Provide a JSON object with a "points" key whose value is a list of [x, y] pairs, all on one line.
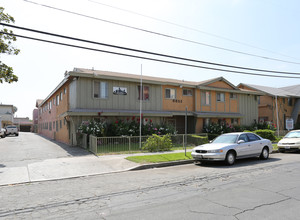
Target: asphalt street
{"points": [[251, 189]]}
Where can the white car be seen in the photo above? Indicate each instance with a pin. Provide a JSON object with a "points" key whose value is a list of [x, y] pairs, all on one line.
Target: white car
{"points": [[11, 129], [291, 141], [231, 146], [2, 132]]}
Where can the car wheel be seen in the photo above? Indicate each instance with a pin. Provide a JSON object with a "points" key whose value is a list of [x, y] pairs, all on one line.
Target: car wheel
{"points": [[230, 158], [264, 153], [17, 134]]}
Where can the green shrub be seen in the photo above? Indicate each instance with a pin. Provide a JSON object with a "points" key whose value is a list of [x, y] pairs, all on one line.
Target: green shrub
{"points": [[197, 140], [268, 134], [157, 143], [212, 136]]}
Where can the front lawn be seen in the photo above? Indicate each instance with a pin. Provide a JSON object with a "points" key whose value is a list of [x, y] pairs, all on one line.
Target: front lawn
{"points": [[160, 158]]}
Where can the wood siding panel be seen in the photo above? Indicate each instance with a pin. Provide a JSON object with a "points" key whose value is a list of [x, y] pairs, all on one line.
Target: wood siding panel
{"points": [[248, 108], [85, 92]]}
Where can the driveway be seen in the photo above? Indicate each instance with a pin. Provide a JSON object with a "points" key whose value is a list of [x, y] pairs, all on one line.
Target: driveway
{"points": [[31, 157], [29, 147]]}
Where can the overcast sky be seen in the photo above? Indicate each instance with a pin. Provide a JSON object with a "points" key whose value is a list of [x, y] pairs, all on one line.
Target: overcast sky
{"points": [[266, 29]]}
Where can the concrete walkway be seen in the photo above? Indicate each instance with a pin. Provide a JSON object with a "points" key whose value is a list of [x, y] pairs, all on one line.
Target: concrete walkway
{"points": [[71, 167], [61, 168]]}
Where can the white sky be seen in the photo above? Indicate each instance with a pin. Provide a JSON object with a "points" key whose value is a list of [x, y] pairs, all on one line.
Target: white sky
{"points": [[268, 24]]}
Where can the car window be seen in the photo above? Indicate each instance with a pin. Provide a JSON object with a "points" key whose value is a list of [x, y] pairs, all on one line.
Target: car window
{"points": [[253, 137], [293, 134], [243, 137], [226, 139]]}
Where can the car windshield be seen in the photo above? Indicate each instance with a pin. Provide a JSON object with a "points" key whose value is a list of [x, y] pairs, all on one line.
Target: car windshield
{"points": [[226, 139], [293, 134]]}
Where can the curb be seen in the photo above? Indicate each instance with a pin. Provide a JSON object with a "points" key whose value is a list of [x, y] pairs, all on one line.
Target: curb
{"points": [[159, 165], [168, 164]]}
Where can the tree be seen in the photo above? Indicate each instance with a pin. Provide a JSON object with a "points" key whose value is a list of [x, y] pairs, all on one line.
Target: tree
{"points": [[6, 47]]}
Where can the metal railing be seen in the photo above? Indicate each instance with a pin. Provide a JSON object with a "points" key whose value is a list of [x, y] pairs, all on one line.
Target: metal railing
{"points": [[130, 144]]}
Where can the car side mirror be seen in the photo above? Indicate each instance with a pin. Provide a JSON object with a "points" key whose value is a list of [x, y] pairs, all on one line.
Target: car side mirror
{"points": [[241, 141]]}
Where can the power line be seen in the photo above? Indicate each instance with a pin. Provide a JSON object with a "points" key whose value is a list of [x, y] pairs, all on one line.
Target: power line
{"points": [[161, 34], [148, 52], [188, 28], [146, 58]]}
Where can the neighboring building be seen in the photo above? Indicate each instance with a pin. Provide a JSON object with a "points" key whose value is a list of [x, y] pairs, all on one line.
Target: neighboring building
{"points": [[88, 94], [6, 115], [23, 124], [285, 101], [35, 116]]}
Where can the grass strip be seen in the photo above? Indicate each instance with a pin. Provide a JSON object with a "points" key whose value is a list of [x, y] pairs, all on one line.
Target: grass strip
{"points": [[158, 158]]}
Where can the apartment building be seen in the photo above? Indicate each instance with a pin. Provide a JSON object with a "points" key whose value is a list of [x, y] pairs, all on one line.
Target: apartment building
{"points": [[283, 103], [91, 94], [6, 115]]}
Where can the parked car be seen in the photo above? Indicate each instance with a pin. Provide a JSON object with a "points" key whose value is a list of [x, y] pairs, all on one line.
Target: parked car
{"points": [[291, 141], [11, 129], [231, 146], [2, 133]]}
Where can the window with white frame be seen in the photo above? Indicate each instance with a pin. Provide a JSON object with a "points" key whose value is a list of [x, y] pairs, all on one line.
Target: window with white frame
{"points": [[170, 94], [221, 97], [100, 90], [61, 95], [205, 98], [187, 92]]}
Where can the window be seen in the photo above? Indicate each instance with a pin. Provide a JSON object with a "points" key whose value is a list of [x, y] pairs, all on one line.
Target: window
{"points": [[60, 124], [61, 94], [65, 90], [220, 97], [57, 100], [101, 90], [234, 121], [283, 100], [258, 99], [56, 125], [50, 105], [206, 122], [170, 93], [50, 126], [205, 98], [243, 137], [233, 95], [253, 137], [146, 91], [53, 101], [187, 92], [290, 101]]}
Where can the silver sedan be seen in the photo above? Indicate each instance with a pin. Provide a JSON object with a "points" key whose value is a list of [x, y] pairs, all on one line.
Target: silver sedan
{"points": [[231, 146]]}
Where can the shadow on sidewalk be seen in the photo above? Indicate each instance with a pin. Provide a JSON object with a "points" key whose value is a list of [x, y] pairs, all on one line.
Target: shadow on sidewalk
{"points": [[75, 151]]}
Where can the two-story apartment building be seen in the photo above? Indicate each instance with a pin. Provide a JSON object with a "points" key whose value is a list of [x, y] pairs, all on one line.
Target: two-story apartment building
{"points": [[283, 103], [90, 94], [6, 115]]}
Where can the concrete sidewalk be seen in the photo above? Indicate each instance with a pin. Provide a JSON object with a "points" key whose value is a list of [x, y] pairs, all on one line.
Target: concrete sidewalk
{"points": [[71, 167]]}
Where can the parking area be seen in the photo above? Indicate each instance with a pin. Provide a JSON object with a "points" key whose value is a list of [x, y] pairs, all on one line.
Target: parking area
{"points": [[29, 148]]}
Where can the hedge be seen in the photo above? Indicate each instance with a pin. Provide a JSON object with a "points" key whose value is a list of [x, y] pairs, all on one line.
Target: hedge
{"points": [[265, 133]]}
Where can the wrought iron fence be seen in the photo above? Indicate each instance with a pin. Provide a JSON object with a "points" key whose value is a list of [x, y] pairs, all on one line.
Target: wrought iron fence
{"points": [[130, 144]]}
